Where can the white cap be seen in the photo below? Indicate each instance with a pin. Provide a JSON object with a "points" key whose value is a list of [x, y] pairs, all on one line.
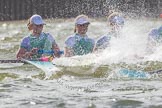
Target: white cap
{"points": [[36, 19], [117, 20], [82, 20]]}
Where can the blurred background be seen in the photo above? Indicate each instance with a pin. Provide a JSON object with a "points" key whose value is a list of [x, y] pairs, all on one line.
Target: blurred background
{"points": [[23, 9]]}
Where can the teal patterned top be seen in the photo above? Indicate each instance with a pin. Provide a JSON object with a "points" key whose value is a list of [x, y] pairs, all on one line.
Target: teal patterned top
{"points": [[104, 41], [43, 42], [80, 45]]}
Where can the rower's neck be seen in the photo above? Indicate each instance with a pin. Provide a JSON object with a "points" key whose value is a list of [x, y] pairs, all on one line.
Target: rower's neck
{"points": [[82, 35], [35, 35]]}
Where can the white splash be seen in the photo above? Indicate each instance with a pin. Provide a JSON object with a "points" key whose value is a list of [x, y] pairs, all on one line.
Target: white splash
{"points": [[130, 47]]}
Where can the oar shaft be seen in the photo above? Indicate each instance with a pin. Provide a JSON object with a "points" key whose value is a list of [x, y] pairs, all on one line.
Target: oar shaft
{"points": [[49, 52], [11, 61], [39, 51], [156, 71]]}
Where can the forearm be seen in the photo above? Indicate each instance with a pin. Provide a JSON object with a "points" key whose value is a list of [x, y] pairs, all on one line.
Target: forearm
{"points": [[26, 55], [56, 50], [23, 53]]}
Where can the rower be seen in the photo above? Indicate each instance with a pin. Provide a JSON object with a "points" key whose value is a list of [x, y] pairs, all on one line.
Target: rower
{"points": [[115, 22], [154, 38], [37, 40]]}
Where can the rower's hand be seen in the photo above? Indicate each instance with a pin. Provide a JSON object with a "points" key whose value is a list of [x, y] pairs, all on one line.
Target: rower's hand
{"points": [[28, 55], [34, 51], [56, 51]]}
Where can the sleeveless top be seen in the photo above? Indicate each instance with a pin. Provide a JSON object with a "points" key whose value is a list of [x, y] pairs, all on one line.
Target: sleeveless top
{"points": [[43, 42], [104, 41], [156, 35], [80, 45]]}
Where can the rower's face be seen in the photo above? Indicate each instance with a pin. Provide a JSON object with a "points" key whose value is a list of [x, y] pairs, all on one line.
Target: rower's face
{"points": [[115, 27], [82, 28], [37, 29]]}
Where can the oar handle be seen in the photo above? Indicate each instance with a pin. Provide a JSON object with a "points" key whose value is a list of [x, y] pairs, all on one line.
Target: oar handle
{"points": [[49, 52]]}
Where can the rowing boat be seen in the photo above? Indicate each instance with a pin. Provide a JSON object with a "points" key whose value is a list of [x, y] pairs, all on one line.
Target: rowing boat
{"points": [[88, 70]]}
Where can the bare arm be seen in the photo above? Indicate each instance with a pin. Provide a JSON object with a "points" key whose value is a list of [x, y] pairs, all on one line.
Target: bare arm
{"points": [[56, 49], [22, 53]]}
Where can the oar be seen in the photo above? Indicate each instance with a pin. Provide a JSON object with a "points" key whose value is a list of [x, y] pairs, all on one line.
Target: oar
{"points": [[48, 67], [155, 72], [39, 52], [138, 74], [12, 61], [49, 52]]}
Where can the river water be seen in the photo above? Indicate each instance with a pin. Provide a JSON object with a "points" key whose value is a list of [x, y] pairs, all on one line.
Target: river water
{"points": [[90, 81]]}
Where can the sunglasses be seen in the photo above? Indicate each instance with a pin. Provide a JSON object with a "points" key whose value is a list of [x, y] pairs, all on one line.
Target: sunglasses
{"points": [[82, 25]]}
